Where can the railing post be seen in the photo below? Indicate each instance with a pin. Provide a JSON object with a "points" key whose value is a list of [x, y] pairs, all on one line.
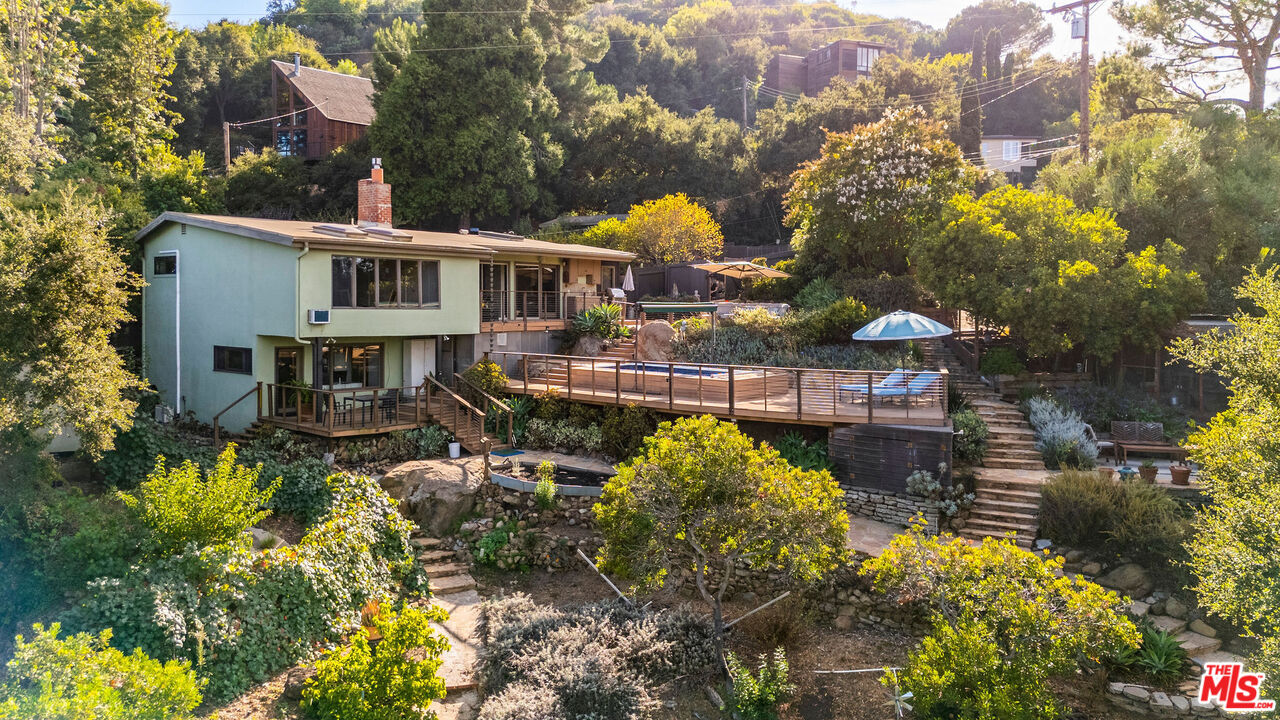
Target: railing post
{"points": [[377, 414], [730, 389], [568, 374], [871, 398], [799, 395], [259, 399], [332, 408], [617, 382], [525, 362], [417, 404], [671, 385]]}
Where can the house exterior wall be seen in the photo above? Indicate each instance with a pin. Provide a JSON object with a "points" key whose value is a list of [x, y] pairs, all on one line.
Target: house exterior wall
{"points": [[993, 155], [228, 291]]}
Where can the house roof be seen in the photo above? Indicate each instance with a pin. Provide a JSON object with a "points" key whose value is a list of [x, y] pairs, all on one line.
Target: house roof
{"points": [[347, 237], [341, 97]]}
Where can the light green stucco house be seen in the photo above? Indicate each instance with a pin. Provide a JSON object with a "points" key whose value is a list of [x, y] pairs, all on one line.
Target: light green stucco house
{"points": [[362, 312]]}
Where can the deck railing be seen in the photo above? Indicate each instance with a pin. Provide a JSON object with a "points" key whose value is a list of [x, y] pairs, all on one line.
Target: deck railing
{"points": [[489, 405], [742, 391], [343, 410], [525, 305]]}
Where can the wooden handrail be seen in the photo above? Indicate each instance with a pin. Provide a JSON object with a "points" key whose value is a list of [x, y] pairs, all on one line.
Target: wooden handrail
{"points": [[217, 434], [489, 399]]}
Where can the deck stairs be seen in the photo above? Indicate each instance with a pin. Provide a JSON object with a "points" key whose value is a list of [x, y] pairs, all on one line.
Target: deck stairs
{"points": [[451, 412], [624, 351], [1007, 500]]}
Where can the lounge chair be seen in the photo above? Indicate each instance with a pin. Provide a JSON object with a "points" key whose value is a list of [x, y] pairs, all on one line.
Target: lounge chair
{"points": [[917, 387], [894, 379]]}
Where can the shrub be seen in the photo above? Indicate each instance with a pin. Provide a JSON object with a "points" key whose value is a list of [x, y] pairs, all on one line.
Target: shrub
{"points": [[602, 321], [970, 443], [424, 443], [599, 662], [887, 292], [562, 436], [1061, 437], [624, 429], [1099, 405], [489, 545], [1161, 656], [802, 454], [757, 321], [176, 507], [1001, 361], [81, 677], [550, 407], [303, 492], [487, 376], [756, 696], [136, 451], [545, 492], [1003, 624], [833, 324], [241, 615], [1130, 518], [957, 401], [819, 293], [396, 679]]}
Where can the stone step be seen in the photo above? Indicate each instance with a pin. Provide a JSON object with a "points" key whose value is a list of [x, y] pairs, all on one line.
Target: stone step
{"points": [[1010, 482], [978, 534], [1022, 497], [452, 584], [1196, 644], [998, 505], [999, 521], [444, 570], [426, 543], [1171, 625], [1008, 464], [436, 556]]}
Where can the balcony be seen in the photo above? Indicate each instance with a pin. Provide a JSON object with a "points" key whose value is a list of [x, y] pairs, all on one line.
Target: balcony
{"points": [[522, 310]]}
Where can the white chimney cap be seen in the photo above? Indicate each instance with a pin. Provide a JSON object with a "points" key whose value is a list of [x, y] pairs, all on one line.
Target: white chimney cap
{"points": [[377, 162]]}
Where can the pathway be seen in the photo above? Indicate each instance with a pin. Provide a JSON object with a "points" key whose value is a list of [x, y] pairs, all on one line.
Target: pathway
{"points": [[453, 589]]}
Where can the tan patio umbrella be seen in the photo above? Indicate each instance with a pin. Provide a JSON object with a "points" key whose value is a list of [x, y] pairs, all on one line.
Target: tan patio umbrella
{"points": [[741, 270]]}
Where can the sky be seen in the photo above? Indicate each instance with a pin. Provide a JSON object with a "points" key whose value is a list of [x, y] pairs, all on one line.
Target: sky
{"points": [[1105, 35]]}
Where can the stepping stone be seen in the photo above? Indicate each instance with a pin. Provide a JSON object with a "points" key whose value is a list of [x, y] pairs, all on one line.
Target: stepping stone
{"points": [[1215, 656], [424, 543], [1202, 627], [1138, 608], [451, 584], [1171, 625], [435, 556], [1196, 644], [457, 705], [445, 570], [457, 666]]}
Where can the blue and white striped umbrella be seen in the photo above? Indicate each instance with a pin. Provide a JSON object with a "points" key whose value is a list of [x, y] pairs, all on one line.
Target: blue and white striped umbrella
{"points": [[901, 325]]}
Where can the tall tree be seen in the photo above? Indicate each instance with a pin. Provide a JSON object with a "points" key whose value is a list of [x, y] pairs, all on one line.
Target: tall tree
{"points": [[40, 58], [977, 57], [464, 125], [862, 203], [1201, 40], [1233, 553], [670, 230], [63, 292], [125, 111], [1022, 25]]}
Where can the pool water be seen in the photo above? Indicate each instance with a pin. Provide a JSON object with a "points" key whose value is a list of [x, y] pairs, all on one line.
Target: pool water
{"points": [[686, 370]]}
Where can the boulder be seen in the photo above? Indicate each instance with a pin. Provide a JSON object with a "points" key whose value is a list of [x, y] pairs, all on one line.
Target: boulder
{"points": [[1175, 607], [436, 494], [589, 346], [1202, 627], [295, 680], [265, 540], [1129, 578], [653, 341]]}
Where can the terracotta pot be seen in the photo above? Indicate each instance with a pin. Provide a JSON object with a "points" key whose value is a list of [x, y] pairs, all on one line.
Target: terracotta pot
{"points": [[1181, 474], [1148, 473], [1107, 472]]}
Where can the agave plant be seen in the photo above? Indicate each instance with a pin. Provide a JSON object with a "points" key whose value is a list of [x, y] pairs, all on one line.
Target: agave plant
{"points": [[602, 321]]}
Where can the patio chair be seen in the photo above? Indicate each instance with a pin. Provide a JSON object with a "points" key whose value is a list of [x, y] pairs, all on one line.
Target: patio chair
{"points": [[389, 402], [914, 389], [894, 379], [1102, 445]]}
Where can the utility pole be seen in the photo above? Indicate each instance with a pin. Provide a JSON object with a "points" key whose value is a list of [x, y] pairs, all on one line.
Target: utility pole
{"points": [[1082, 31], [744, 102], [226, 147]]}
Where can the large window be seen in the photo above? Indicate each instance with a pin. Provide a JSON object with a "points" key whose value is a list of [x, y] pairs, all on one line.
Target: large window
{"points": [[1011, 150], [348, 366], [233, 359], [867, 57], [385, 282], [165, 265]]}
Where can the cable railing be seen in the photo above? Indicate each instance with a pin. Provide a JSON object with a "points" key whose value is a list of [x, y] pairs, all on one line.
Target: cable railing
{"points": [[522, 306]]}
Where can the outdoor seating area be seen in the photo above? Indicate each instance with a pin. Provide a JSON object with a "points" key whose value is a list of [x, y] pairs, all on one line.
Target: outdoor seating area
{"points": [[1142, 438]]}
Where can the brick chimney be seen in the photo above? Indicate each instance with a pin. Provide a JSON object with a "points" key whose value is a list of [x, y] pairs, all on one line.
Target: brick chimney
{"points": [[374, 199]]}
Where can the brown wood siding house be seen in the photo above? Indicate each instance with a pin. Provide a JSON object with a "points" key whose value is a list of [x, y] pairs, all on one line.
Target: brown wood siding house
{"points": [[322, 110], [809, 75]]}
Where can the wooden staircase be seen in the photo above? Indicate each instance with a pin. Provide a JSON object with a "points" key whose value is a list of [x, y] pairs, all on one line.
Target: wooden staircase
{"points": [[1007, 500], [624, 350], [458, 416]]}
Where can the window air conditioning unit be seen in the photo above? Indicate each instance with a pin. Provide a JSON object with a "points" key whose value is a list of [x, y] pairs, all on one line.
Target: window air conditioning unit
{"points": [[164, 414], [318, 317]]}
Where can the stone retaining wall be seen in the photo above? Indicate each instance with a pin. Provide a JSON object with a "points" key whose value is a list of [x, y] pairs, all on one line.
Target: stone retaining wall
{"points": [[1149, 702], [889, 507]]}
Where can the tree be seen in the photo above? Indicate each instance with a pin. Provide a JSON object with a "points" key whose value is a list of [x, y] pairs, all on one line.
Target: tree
{"points": [[970, 140], [1233, 553], [39, 58], [1056, 276], [124, 111], [479, 120], [977, 57], [669, 230], [1004, 623], [22, 153], [1204, 39], [861, 204], [63, 292], [702, 496], [1022, 24]]}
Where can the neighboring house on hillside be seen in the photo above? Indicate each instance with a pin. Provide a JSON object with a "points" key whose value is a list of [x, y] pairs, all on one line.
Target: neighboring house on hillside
{"points": [[321, 110], [361, 313], [809, 74], [1011, 154]]}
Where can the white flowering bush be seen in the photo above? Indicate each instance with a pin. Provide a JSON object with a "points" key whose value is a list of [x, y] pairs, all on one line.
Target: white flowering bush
{"points": [[1061, 436], [862, 201]]}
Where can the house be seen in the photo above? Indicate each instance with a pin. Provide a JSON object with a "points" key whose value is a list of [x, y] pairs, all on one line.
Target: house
{"points": [[319, 110], [1011, 154], [809, 74], [331, 329]]}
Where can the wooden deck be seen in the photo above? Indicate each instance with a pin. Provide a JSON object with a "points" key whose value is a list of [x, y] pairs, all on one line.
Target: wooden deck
{"points": [[789, 395]]}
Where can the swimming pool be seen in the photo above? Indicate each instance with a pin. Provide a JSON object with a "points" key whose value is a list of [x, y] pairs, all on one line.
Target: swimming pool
{"points": [[682, 370]]}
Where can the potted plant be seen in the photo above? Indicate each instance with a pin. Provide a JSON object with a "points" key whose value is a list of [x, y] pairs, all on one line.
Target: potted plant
{"points": [[1148, 470], [298, 395], [1106, 472], [1181, 474]]}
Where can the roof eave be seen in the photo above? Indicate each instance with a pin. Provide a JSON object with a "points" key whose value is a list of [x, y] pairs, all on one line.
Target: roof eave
{"points": [[231, 228]]}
